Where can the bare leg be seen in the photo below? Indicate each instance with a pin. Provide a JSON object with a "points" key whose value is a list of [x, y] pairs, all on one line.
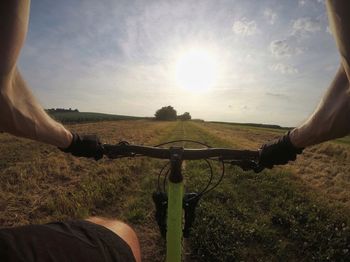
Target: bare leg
{"points": [[122, 230]]}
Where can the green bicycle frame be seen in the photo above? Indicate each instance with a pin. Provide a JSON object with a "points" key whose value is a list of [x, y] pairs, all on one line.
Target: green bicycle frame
{"points": [[174, 222], [174, 216]]}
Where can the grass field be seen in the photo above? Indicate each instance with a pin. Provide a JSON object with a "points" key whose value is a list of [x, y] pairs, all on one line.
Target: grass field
{"points": [[299, 212], [88, 117]]}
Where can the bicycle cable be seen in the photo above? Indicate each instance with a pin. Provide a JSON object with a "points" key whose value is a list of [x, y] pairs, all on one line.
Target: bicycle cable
{"points": [[159, 175], [183, 140], [207, 188]]}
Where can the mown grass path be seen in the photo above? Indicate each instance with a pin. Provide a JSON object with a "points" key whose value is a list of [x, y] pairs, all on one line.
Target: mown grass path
{"points": [[270, 216]]}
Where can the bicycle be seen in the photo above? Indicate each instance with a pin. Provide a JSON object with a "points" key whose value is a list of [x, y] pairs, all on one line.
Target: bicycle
{"points": [[170, 205]]}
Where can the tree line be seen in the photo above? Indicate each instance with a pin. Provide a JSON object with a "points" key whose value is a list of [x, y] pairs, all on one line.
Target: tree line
{"points": [[166, 113], [61, 110]]}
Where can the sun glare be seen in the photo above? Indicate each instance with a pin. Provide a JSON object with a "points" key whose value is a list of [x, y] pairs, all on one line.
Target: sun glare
{"points": [[196, 70]]}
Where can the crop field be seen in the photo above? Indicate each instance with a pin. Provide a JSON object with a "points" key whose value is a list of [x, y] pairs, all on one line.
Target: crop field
{"points": [[299, 212], [87, 117]]}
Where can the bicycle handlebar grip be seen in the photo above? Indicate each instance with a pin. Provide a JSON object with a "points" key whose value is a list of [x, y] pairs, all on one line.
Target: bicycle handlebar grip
{"points": [[85, 146], [278, 152]]}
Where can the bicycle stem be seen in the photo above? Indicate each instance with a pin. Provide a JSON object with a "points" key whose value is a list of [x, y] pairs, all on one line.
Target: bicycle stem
{"points": [[176, 163]]}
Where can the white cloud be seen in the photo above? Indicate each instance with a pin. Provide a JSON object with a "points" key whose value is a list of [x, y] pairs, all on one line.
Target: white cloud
{"points": [[284, 69], [302, 3], [270, 16], [281, 48], [291, 45], [244, 27], [305, 26]]}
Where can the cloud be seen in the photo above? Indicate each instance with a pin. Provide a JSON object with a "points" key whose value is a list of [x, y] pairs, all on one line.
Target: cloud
{"points": [[292, 44], [302, 3], [306, 26], [284, 69], [270, 16], [244, 27], [282, 48]]}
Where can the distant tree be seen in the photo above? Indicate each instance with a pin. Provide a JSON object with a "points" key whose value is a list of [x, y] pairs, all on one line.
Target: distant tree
{"points": [[185, 116], [166, 113]]}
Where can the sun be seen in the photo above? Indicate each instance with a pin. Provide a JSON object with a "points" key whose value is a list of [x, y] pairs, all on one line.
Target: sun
{"points": [[196, 70]]}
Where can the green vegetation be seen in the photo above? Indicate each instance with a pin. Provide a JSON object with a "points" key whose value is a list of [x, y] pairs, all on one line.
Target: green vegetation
{"points": [[254, 125], [84, 117], [269, 216]]}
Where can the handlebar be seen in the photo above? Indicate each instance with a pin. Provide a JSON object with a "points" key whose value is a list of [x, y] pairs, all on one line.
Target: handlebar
{"points": [[124, 149]]}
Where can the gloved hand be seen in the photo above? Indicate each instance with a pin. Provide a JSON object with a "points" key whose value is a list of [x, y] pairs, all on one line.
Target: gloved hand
{"points": [[278, 152], [85, 146]]}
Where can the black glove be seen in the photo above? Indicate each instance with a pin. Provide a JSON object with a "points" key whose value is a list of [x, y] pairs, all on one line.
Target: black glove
{"points": [[85, 146], [278, 152]]}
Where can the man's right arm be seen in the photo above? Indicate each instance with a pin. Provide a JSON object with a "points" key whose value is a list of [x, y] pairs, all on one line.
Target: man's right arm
{"points": [[331, 119]]}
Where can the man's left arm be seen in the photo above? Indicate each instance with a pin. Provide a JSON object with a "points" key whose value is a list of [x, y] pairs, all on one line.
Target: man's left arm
{"points": [[20, 113]]}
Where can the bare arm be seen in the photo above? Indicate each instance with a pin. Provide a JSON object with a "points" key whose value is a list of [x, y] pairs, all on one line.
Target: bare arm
{"points": [[331, 118], [20, 113]]}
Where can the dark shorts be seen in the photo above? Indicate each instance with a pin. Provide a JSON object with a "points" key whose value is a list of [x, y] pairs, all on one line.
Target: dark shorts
{"points": [[63, 241]]}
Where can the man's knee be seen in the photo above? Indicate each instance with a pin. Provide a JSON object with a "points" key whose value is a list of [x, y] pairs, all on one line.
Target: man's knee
{"points": [[122, 230]]}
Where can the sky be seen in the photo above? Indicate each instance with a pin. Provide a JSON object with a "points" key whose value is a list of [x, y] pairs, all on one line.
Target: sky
{"points": [[272, 59]]}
